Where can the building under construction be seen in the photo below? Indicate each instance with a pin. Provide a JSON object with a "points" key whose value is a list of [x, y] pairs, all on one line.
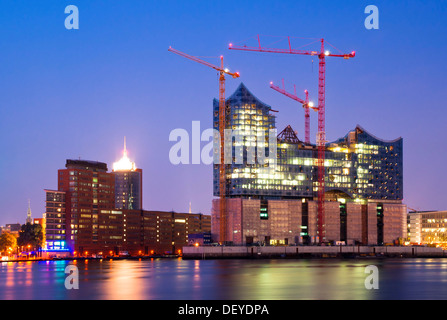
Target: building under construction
{"points": [[275, 202]]}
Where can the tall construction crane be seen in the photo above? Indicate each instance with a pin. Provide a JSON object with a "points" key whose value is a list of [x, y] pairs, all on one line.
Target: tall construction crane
{"points": [[321, 135], [222, 125], [307, 105]]}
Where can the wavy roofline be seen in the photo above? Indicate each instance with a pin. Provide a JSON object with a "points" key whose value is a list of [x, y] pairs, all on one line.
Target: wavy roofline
{"points": [[375, 137]]}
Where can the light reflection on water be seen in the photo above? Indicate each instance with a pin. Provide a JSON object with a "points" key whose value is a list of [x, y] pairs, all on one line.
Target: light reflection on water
{"points": [[176, 279]]}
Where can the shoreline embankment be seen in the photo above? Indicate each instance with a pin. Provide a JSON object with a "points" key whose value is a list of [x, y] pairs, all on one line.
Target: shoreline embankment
{"points": [[297, 252]]}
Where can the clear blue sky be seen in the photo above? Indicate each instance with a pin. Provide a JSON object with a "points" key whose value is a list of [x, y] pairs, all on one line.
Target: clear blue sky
{"points": [[77, 93]]}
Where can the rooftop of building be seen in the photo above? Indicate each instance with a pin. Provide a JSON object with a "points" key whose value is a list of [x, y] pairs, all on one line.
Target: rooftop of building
{"points": [[55, 191], [242, 93], [288, 135], [86, 164], [360, 130], [429, 211]]}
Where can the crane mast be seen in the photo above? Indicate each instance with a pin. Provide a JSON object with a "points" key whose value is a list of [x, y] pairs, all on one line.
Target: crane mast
{"points": [[222, 125], [222, 167]]}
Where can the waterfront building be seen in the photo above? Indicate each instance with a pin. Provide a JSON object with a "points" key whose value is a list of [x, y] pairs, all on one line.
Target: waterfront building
{"points": [[42, 223], [358, 166], [89, 192], [167, 232], [81, 217], [128, 183], [141, 232], [286, 222], [55, 217], [274, 202], [428, 227]]}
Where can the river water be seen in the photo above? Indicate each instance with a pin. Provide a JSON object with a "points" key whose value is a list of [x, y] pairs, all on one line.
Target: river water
{"points": [[177, 279]]}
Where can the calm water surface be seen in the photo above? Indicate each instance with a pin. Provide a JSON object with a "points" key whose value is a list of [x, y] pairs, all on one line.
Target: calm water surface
{"points": [[177, 279]]}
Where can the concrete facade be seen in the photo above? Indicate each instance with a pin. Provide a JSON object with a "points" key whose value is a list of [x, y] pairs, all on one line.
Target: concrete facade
{"points": [[354, 221], [308, 251], [295, 222], [394, 222], [332, 221]]}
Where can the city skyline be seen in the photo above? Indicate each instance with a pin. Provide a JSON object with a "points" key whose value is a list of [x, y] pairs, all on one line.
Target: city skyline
{"points": [[70, 94]]}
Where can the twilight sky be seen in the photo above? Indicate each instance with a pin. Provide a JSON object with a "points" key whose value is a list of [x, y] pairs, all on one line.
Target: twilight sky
{"points": [[76, 93]]}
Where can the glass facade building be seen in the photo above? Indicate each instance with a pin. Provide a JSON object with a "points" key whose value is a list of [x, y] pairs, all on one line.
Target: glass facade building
{"points": [[128, 183], [359, 166], [128, 189]]}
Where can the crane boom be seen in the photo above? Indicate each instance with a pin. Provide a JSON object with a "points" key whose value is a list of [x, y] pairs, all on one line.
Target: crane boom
{"points": [[260, 48], [220, 69], [306, 106], [287, 94]]}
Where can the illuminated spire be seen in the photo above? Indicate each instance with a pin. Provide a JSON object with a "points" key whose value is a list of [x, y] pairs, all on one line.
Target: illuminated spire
{"points": [[190, 207], [124, 164]]}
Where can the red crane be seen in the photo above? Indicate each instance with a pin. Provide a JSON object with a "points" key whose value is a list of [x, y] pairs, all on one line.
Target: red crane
{"points": [[321, 135], [306, 106], [222, 125]]}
